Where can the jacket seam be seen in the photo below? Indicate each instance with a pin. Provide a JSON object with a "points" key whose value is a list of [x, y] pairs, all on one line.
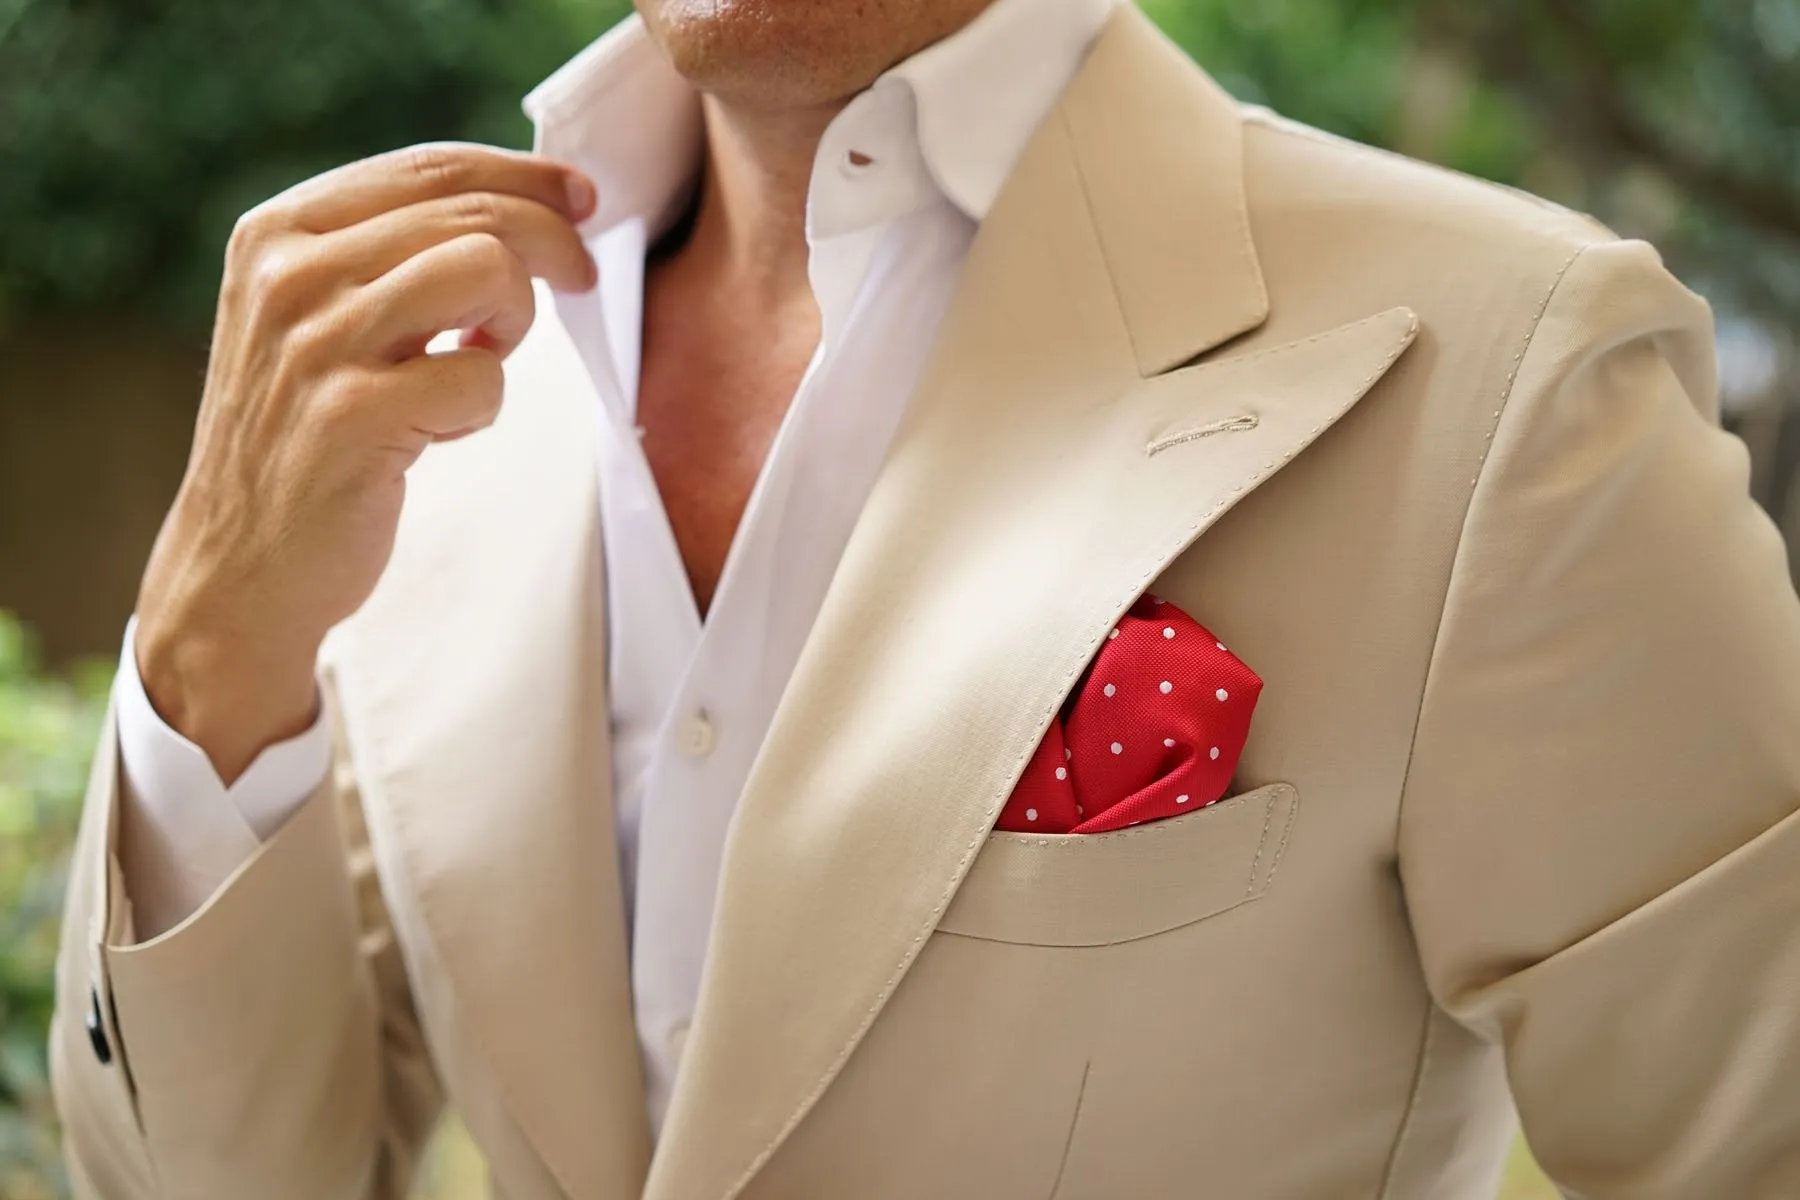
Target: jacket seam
{"points": [[1505, 401], [1067, 129], [1062, 1164], [1462, 536], [1420, 1074]]}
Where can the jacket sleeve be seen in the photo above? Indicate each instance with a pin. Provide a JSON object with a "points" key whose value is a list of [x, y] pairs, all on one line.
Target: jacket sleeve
{"points": [[266, 1046], [1598, 838], [182, 831]]}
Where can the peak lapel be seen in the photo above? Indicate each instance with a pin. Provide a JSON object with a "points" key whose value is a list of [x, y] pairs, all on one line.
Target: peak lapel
{"points": [[1161, 151], [1037, 485]]}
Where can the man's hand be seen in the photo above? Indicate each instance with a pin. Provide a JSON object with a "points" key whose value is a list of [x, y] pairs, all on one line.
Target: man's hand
{"points": [[318, 398]]}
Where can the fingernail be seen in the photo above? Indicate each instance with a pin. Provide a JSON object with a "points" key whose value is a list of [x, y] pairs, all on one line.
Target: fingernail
{"points": [[581, 196]]}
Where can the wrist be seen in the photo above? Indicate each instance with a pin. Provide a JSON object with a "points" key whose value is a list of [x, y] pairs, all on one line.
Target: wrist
{"points": [[231, 696]]}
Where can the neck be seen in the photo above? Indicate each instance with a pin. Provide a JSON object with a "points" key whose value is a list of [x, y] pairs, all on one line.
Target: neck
{"points": [[749, 234]]}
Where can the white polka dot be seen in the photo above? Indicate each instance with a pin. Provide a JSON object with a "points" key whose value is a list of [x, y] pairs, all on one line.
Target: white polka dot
{"points": [[1156, 600], [1167, 687], [1067, 754], [1181, 799], [1112, 635], [1063, 772], [1215, 752], [1222, 694], [1117, 749], [1221, 645], [1168, 631], [1169, 742], [1031, 814], [1079, 811], [1109, 689]]}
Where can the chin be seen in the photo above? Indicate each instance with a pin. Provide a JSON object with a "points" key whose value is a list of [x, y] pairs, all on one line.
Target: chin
{"points": [[794, 53]]}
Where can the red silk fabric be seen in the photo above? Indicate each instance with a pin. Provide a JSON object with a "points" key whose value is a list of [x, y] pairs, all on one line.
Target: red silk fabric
{"points": [[1154, 730]]}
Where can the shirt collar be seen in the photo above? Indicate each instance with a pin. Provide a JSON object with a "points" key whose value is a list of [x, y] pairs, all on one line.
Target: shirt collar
{"points": [[982, 92], [619, 111]]}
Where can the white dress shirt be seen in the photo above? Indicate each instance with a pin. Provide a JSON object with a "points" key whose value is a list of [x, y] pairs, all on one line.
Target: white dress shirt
{"points": [[903, 176]]}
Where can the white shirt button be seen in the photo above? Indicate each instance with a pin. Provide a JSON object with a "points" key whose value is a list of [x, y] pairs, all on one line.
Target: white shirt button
{"points": [[695, 736]]}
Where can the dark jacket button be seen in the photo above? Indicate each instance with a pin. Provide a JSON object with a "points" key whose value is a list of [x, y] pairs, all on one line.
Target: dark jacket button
{"points": [[97, 1029]]}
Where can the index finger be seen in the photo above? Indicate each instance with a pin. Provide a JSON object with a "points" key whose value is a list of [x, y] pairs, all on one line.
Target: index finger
{"points": [[343, 196]]}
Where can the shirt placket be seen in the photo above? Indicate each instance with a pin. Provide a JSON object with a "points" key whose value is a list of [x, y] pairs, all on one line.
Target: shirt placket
{"points": [[651, 618], [715, 726]]}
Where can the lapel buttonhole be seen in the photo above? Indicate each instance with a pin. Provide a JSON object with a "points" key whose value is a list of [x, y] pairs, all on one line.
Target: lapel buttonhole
{"points": [[1237, 424]]}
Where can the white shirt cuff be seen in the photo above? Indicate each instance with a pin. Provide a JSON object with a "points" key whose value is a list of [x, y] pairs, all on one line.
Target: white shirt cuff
{"points": [[188, 831]]}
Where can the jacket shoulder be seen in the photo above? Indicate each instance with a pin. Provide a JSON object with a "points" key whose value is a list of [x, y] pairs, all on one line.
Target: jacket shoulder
{"points": [[1297, 171]]}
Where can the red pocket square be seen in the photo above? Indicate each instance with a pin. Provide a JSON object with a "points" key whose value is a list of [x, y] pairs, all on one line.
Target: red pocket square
{"points": [[1154, 730]]}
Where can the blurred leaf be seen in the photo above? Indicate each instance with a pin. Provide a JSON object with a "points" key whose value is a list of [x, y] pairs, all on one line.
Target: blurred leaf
{"points": [[48, 727], [135, 133], [1597, 103]]}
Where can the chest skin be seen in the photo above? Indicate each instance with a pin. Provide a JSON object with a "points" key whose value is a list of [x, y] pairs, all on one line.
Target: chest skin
{"points": [[720, 368]]}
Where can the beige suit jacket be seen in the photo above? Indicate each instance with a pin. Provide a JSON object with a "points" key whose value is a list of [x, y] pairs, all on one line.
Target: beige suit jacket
{"points": [[1439, 461]]}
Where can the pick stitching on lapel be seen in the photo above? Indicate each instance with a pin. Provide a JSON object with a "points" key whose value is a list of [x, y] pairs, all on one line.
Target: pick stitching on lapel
{"points": [[1017, 515]]}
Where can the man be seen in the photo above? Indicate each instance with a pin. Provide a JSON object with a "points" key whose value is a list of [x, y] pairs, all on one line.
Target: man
{"points": [[670, 720]]}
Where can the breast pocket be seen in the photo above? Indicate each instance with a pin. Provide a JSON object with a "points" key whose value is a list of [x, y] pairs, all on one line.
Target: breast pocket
{"points": [[1102, 889]]}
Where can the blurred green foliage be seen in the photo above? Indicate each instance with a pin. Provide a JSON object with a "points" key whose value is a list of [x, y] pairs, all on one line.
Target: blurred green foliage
{"points": [[1672, 120], [47, 732], [132, 134]]}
